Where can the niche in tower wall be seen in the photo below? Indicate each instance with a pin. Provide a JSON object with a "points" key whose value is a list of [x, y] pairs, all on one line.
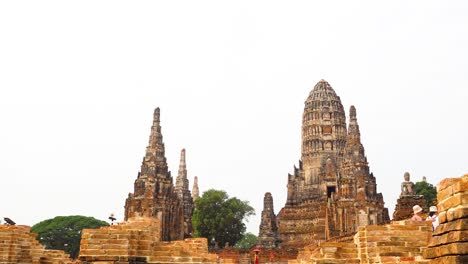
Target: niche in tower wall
{"points": [[330, 191]]}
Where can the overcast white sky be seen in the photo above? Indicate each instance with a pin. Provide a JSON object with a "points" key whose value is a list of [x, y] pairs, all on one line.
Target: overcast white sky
{"points": [[79, 82]]}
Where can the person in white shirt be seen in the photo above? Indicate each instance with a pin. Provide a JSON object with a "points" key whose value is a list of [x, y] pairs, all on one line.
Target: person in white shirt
{"points": [[433, 217]]}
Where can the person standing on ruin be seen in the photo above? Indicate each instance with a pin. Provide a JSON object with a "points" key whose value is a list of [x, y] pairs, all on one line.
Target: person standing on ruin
{"points": [[433, 217], [417, 213]]}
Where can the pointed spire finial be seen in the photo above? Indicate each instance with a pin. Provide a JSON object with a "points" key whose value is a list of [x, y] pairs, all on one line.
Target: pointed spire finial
{"points": [[157, 113], [352, 113], [353, 128], [268, 201], [182, 156]]}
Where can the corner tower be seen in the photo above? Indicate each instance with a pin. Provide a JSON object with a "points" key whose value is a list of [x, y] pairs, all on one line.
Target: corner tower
{"points": [[268, 235]]}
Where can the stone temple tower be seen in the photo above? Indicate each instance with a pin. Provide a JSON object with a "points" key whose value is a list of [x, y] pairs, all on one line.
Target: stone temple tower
{"points": [[332, 192], [323, 143], [154, 194], [268, 235], [182, 190]]}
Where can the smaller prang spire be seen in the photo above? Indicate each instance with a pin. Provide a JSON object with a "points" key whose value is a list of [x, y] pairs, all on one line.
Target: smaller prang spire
{"points": [[183, 192], [354, 148], [195, 190], [353, 128], [182, 183], [268, 234]]}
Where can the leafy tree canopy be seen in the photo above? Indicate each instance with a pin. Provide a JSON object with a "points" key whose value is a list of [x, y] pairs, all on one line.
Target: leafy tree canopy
{"points": [[247, 241], [220, 218], [64, 232], [427, 190]]}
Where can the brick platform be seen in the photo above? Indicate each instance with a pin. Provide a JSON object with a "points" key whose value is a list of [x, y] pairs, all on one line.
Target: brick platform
{"points": [[138, 241], [19, 245]]}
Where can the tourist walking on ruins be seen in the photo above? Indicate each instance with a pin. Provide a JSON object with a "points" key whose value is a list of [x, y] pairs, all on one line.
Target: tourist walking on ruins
{"points": [[416, 213], [433, 217]]}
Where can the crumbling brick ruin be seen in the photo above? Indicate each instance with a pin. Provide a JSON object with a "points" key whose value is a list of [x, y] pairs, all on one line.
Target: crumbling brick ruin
{"points": [[182, 190], [137, 241], [405, 241], [408, 198], [333, 213], [332, 193], [19, 245], [154, 193], [399, 242], [268, 235]]}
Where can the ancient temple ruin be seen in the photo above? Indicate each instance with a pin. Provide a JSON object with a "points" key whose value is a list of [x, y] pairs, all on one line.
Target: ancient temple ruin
{"points": [[268, 235], [408, 198], [182, 190], [332, 192], [154, 193]]}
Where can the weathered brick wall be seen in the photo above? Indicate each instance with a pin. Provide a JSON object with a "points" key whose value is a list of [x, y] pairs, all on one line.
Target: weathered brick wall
{"points": [[138, 241], [450, 241], [190, 250], [399, 242], [19, 245], [303, 224]]}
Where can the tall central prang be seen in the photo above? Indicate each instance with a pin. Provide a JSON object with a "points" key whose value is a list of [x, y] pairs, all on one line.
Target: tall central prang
{"points": [[332, 192], [323, 143]]}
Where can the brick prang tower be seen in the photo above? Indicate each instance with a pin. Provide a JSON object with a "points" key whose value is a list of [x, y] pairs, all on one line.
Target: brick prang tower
{"points": [[183, 192], [154, 194], [268, 235], [332, 192]]}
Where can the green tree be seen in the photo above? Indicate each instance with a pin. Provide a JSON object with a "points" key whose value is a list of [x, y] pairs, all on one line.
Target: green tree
{"points": [[64, 232], [247, 241], [220, 218], [427, 190]]}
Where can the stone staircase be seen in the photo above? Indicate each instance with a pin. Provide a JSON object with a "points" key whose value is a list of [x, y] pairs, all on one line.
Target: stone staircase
{"points": [[329, 252]]}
